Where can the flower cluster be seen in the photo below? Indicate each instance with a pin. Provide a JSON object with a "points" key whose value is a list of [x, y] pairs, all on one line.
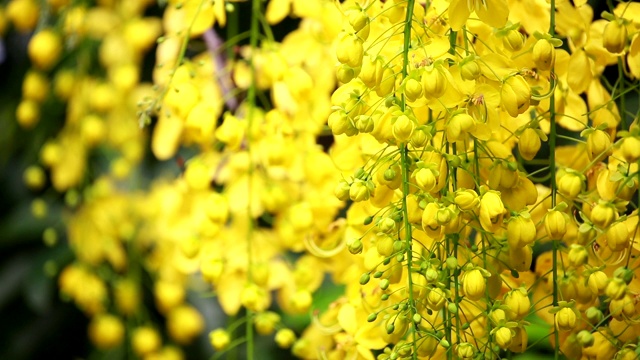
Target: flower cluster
{"points": [[464, 169]]}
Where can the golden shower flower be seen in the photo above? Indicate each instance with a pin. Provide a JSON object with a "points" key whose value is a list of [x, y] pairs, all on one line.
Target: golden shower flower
{"points": [[515, 95]]}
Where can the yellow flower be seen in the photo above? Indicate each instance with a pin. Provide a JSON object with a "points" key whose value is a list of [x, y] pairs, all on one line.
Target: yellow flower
{"points": [[492, 12], [491, 211], [219, 339], [515, 95], [614, 38]]}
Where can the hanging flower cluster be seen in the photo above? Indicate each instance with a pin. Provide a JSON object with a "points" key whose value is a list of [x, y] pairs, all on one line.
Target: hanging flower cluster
{"points": [[462, 168]]}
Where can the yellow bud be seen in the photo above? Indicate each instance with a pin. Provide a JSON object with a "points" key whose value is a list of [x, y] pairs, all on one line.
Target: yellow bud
{"points": [[555, 223], [372, 70], [503, 336], [145, 340], [184, 324], [436, 299], [470, 70], [340, 123], [359, 191], [403, 128], [518, 304], [618, 237], [64, 83], [265, 322], [342, 190], [466, 199], [212, 269], [35, 86], [544, 54], [301, 301], [45, 49], [231, 132], [458, 126], [127, 296], [23, 14], [491, 211], [565, 319], [622, 309], [28, 113], [521, 231], [434, 82], [616, 289], [603, 214], [413, 89], [474, 284], [515, 95], [570, 184], [360, 23], [614, 38], [529, 144], [34, 177], [598, 282], [285, 338], [168, 295], [578, 255], [630, 149], [254, 298], [429, 220], [106, 331], [219, 339], [465, 350], [350, 50], [598, 144], [425, 179], [345, 73], [513, 40]]}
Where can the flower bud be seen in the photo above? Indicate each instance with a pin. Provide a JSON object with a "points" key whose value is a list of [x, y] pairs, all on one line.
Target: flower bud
{"points": [[630, 149], [598, 144], [503, 336], [342, 190], [513, 40], [387, 82], [339, 122], [106, 331], [145, 340], [285, 338], [466, 199], [622, 308], [458, 126], [465, 350], [597, 282], [371, 72], [544, 54], [364, 123], [521, 231], [219, 339], [618, 236], [565, 319], [402, 128], [425, 179], [594, 315], [420, 137], [354, 245], [626, 354], [491, 211], [350, 50], [529, 144], [359, 191], [470, 70], [429, 221], [585, 338], [360, 23], [603, 214], [265, 322], [555, 224], [614, 38], [345, 73], [434, 82], [518, 304], [436, 299], [387, 225], [413, 89], [578, 255], [570, 184], [515, 95], [474, 284], [616, 289], [431, 275]]}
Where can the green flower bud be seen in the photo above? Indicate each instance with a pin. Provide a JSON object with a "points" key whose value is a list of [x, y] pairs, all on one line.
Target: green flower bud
{"points": [[594, 315], [355, 246], [585, 338]]}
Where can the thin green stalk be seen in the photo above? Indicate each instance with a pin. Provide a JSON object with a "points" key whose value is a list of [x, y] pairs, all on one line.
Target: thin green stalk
{"points": [[404, 154], [552, 165], [623, 111], [256, 13]]}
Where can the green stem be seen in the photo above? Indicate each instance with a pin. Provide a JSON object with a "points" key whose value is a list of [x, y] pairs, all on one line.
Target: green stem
{"points": [[404, 154], [623, 111], [552, 165]]}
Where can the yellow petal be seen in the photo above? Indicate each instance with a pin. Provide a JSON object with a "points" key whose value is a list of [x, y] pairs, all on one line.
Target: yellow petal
{"points": [[495, 13], [458, 14], [347, 318]]}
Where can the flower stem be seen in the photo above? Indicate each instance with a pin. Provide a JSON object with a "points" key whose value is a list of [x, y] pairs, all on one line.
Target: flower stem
{"points": [[404, 155], [552, 166]]}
